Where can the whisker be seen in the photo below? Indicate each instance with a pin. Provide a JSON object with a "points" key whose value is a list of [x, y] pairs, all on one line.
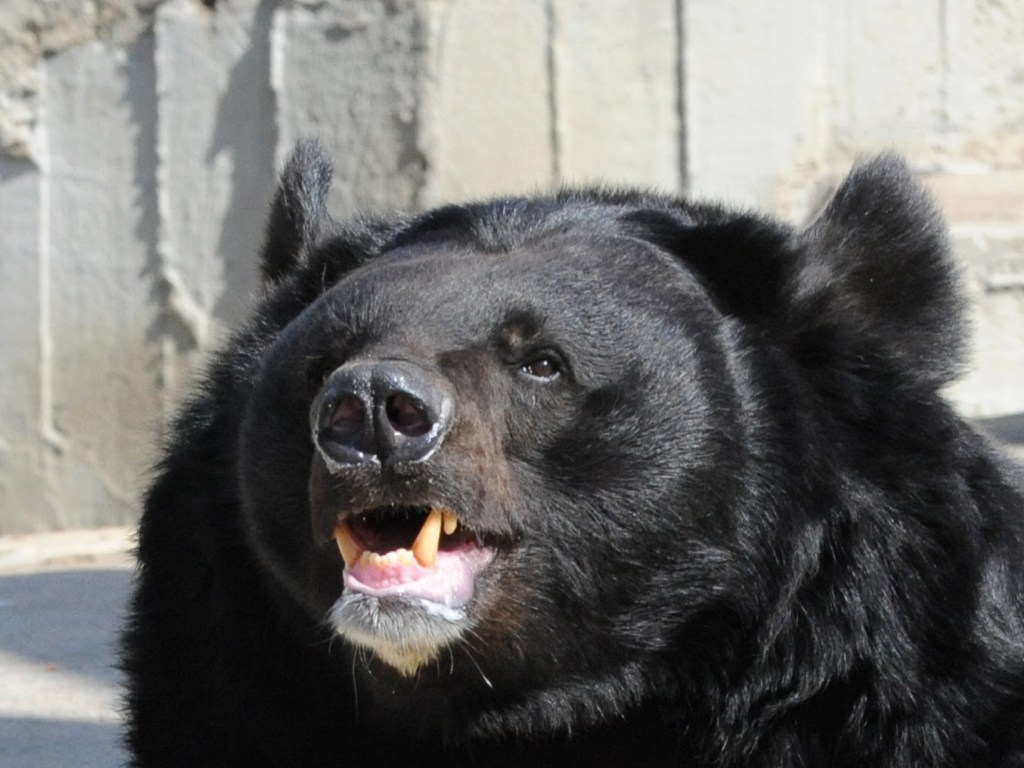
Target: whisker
{"points": [[469, 655]]}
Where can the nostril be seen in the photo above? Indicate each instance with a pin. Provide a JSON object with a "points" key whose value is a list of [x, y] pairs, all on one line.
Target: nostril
{"points": [[349, 417], [343, 429], [407, 415], [379, 413]]}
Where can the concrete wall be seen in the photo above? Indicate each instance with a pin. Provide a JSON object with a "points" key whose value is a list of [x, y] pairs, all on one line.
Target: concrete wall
{"points": [[139, 141]]}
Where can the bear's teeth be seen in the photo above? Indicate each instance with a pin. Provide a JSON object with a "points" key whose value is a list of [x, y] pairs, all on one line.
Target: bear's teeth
{"points": [[424, 549], [350, 550], [390, 559], [450, 521], [405, 557]]}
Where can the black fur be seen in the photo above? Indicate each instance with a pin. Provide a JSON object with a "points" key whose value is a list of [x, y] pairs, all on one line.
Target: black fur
{"points": [[741, 527]]}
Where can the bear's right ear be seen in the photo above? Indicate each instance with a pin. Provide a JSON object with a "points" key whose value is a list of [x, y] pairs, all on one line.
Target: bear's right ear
{"points": [[298, 214]]}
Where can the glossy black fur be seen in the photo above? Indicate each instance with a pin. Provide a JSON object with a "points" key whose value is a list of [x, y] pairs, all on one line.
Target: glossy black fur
{"points": [[742, 528]]}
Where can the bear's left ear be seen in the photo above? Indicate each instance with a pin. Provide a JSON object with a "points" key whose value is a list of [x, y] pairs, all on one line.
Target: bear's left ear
{"points": [[298, 214], [877, 261]]}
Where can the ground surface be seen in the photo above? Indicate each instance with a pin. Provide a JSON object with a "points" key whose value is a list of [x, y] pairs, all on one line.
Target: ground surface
{"points": [[62, 599]]}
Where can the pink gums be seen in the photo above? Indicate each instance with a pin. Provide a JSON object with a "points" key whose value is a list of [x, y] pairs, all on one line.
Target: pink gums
{"points": [[448, 583]]}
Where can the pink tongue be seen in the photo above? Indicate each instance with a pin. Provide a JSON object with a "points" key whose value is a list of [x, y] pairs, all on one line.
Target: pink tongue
{"points": [[448, 583]]}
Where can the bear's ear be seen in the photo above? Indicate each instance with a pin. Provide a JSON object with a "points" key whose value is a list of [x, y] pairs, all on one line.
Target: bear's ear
{"points": [[298, 214], [876, 262]]}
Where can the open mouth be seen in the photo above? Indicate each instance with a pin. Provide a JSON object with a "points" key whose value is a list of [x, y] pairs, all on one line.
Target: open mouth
{"points": [[414, 552]]}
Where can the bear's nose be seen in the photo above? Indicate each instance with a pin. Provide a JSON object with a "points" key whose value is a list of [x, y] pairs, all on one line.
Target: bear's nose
{"points": [[387, 412]]}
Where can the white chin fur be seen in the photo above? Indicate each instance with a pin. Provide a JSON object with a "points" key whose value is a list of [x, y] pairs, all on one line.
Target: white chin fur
{"points": [[405, 634]]}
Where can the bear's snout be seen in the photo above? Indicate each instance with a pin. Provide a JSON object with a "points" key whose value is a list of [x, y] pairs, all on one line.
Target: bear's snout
{"points": [[383, 412]]}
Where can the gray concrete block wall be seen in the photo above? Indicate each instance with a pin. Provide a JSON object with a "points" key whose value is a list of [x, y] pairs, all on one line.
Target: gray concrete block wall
{"points": [[215, 138], [98, 395], [139, 140], [616, 79], [487, 109], [22, 485], [364, 99]]}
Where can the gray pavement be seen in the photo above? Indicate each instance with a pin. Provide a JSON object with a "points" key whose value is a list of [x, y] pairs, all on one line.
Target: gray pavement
{"points": [[62, 599]]}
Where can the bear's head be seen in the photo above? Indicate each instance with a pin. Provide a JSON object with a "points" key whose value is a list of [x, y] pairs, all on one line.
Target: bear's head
{"points": [[514, 446]]}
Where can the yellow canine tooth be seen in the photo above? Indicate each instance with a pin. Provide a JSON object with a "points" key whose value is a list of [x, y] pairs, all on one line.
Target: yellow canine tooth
{"points": [[350, 550], [450, 521], [424, 549]]}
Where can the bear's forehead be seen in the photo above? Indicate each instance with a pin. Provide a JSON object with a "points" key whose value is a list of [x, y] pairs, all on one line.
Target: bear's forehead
{"points": [[586, 296], [553, 277]]}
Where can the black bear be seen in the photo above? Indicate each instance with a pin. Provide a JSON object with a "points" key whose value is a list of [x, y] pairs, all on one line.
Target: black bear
{"points": [[598, 478]]}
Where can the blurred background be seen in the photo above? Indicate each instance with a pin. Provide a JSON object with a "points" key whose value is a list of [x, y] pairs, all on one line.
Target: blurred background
{"points": [[139, 142]]}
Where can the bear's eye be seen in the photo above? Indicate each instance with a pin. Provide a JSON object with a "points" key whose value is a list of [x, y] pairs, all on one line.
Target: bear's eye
{"points": [[543, 367]]}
